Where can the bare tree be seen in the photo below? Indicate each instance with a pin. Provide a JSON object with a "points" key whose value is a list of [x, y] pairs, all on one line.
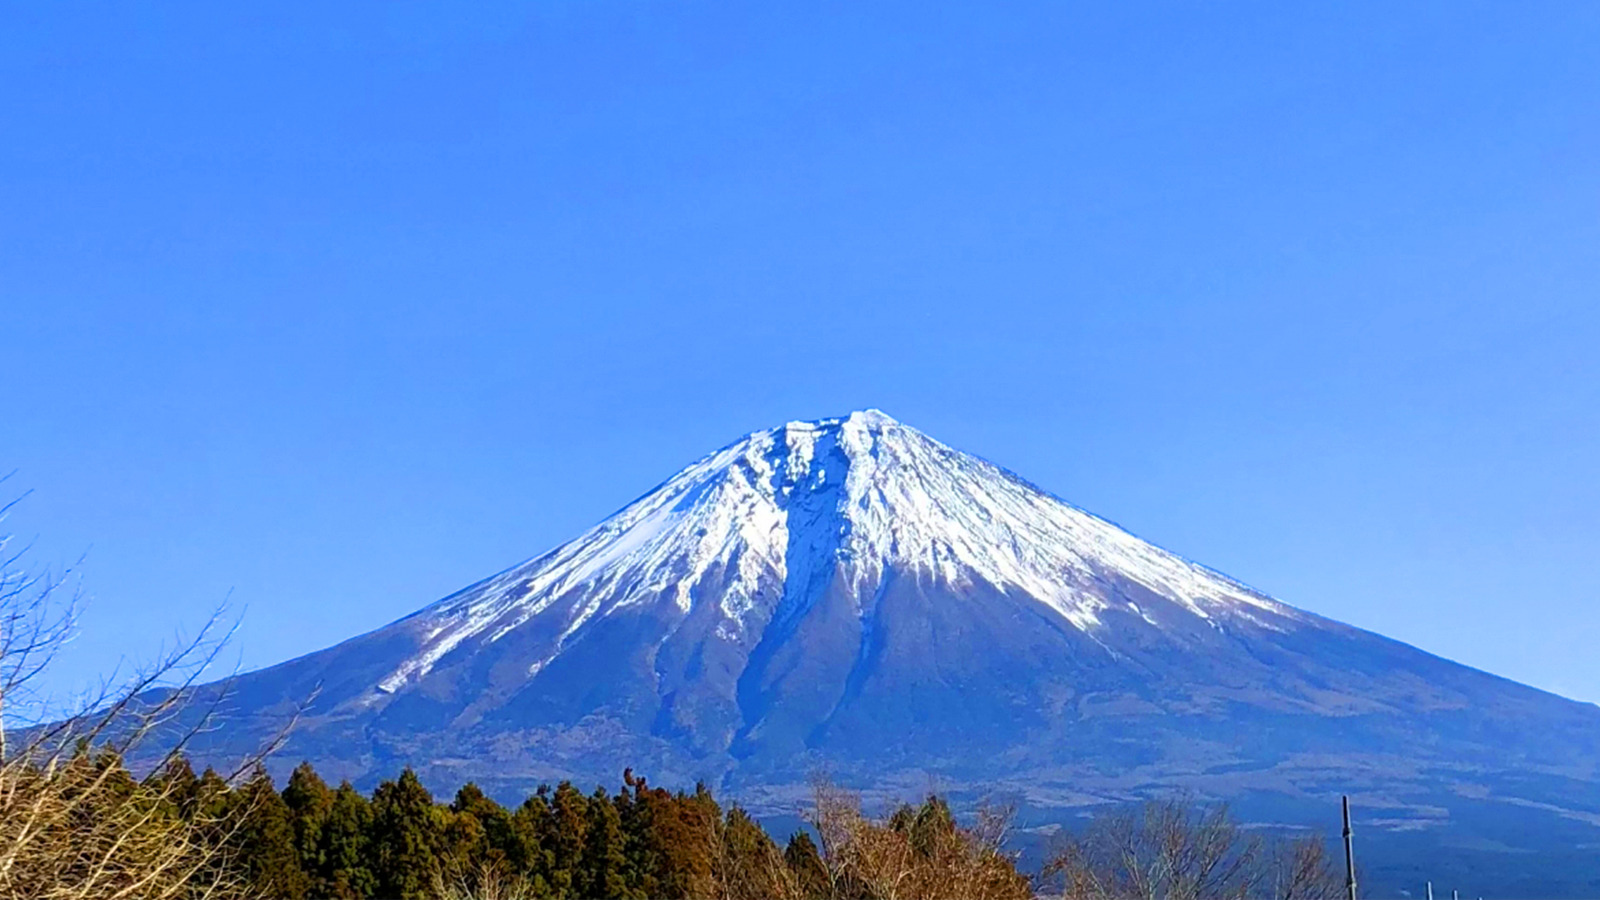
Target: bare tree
{"points": [[35, 621], [1174, 849], [482, 880], [74, 822], [919, 853], [1302, 869]]}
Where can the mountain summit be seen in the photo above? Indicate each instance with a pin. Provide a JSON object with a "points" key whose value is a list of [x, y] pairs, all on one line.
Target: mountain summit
{"points": [[751, 539], [849, 593]]}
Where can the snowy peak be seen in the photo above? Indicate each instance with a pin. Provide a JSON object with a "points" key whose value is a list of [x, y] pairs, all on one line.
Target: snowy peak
{"points": [[862, 496]]}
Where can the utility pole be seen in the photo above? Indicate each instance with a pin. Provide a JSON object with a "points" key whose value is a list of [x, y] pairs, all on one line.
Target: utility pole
{"points": [[1430, 890], [1349, 854]]}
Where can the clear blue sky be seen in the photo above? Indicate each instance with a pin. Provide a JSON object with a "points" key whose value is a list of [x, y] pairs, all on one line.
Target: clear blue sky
{"points": [[340, 307]]}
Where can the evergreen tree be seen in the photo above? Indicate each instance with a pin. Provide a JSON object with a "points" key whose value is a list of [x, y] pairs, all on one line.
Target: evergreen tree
{"points": [[465, 845], [932, 827], [900, 821], [605, 861], [530, 825], [208, 802], [669, 840], [503, 843], [567, 829], [635, 813], [265, 840], [177, 787], [344, 849], [309, 801], [805, 864], [749, 865], [405, 838]]}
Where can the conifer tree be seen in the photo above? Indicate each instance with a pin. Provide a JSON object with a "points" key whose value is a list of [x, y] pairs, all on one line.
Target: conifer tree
{"points": [[503, 843], [932, 826], [673, 839], [345, 849], [309, 801], [749, 866], [265, 840], [465, 845], [902, 817], [605, 861], [805, 865], [634, 813], [405, 837], [530, 825], [177, 785], [565, 836], [211, 802]]}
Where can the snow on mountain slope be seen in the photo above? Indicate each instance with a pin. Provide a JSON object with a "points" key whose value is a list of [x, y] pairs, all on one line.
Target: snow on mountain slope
{"points": [[848, 594], [864, 492]]}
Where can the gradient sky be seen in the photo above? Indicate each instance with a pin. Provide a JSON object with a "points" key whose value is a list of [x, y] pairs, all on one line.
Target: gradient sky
{"points": [[330, 309]]}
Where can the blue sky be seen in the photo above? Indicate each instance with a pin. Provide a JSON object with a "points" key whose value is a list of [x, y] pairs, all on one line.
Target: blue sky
{"points": [[335, 308]]}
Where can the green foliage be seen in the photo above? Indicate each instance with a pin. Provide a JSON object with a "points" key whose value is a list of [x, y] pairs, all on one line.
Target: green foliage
{"points": [[309, 802], [565, 832], [670, 840], [405, 838], [931, 826], [343, 847], [310, 841], [266, 839], [750, 863], [805, 864], [604, 871]]}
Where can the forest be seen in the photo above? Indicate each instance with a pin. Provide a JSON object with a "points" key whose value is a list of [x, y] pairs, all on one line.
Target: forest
{"points": [[178, 834], [89, 828]]}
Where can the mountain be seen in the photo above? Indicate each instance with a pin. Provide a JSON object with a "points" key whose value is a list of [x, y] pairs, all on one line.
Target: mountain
{"points": [[849, 594]]}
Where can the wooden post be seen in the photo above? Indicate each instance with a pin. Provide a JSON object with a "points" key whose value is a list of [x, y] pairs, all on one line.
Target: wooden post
{"points": [[1349, 854]]}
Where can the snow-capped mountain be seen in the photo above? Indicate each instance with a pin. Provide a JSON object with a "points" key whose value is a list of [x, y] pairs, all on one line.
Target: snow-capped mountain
{"points": [[851, 594], [857, 499]]}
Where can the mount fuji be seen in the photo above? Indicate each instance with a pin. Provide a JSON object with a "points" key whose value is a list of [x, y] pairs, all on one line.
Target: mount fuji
{"points": [[851, 595]]}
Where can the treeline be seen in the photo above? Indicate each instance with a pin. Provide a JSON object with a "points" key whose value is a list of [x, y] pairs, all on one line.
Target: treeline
{"points": [[85, 827], [310, 840]]}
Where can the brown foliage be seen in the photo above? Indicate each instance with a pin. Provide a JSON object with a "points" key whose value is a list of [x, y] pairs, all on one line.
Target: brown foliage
{"points": [[80, 827], [73, 822], [918, 854]]}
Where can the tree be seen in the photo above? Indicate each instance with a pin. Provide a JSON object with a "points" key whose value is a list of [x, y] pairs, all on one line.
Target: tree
{"points": [[344, 847], [531, 825], [1176, 849], [916, 853], [749, 865], [1301, 869], [308, 799], [405, 838], [74, 823], [604, 871], [805, 866], [265, 839], [669, 839], [566, 829], [177, 783]]}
